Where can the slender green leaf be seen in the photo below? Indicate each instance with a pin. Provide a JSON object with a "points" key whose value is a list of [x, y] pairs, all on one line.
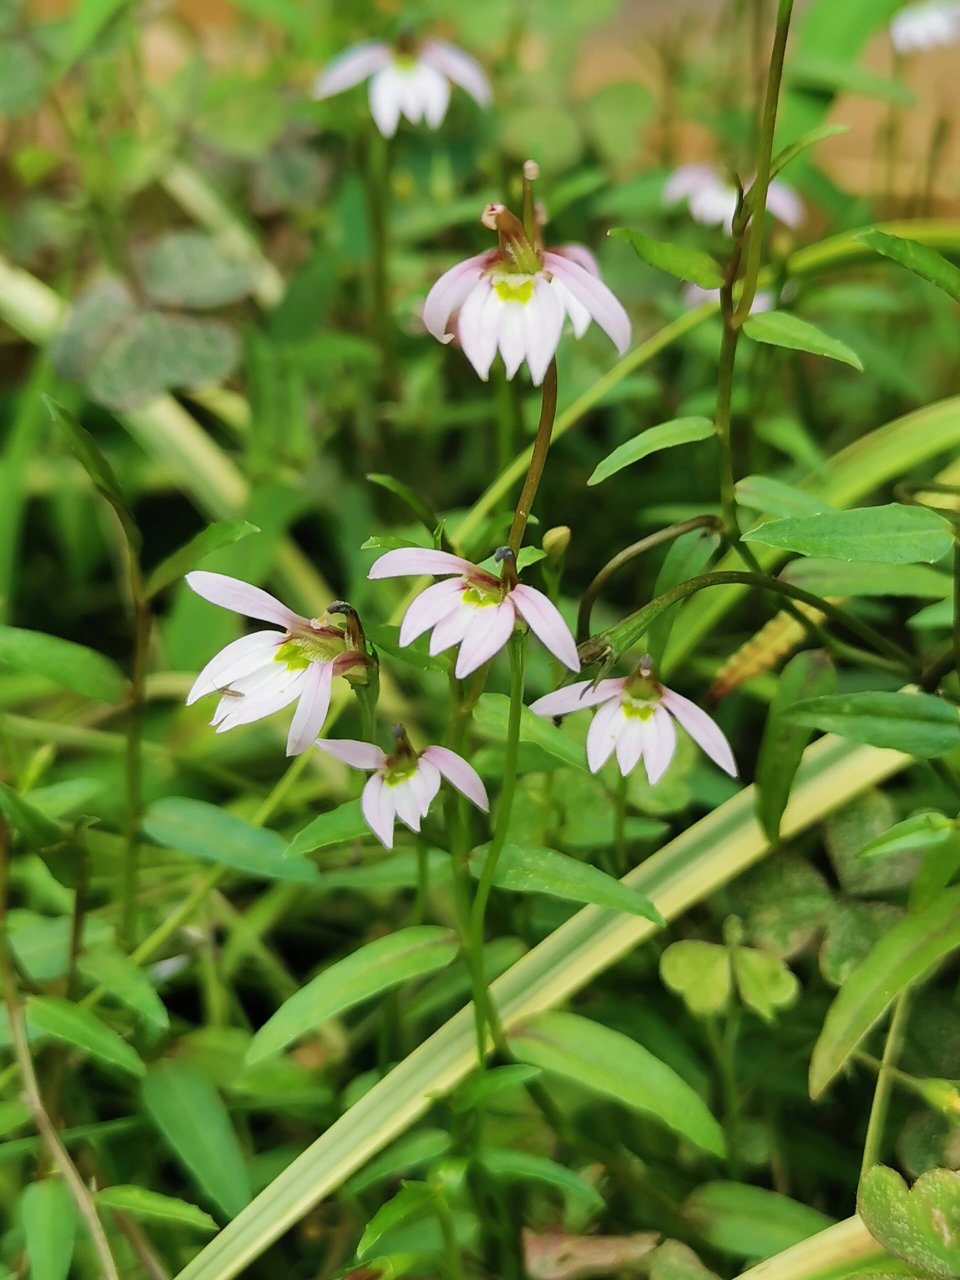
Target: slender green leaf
{"points": [[221, 534], [125, 981], [410, 500], [750, 1222], [211, 834], [529, 869], [918, 258], [666, 436], [610, 1063], [846, 578], [893, 534], [492, 714], [804, 143], [682, 261], [490, 1082], [346, 822], [94, 462], [48, 1215], [781, 329], [917, 833], [90, 17], [70, 665], [72, 1024], [151, 1206], [764, 493], [839, 75], [35, 829], [918, 723], [424, 1146], [904, 956], [523, 1166], [414, 1201], [190, 1116], [686, 558], [808, 675], [365, 973]]}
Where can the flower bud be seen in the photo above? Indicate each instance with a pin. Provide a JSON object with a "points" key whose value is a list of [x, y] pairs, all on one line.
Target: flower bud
{"points": [[555, 542], [942, 1095]]}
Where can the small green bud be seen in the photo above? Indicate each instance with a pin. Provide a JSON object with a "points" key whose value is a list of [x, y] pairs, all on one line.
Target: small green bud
{"points": [[555, 542]]}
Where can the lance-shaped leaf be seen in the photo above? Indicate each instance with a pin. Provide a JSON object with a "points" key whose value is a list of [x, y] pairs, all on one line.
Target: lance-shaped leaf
{"points": [[48, 1216], [73, 666], [750, 1222], [907, 953], [918, 723], [666, 436], [918, 258], [893, 534], [151, 1206], [492, 714], [781, 329], [207, 832], [609, 1063], [678, 260], [523, 1166], [530, 869], [74, 1025], [377, 967], [34, 827], [190, 1115], [346, 822], [97, 467], [809, 674], [221, 534]]}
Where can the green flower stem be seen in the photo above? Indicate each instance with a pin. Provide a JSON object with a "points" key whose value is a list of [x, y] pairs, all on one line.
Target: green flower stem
{"points": [[624, 557], [478, 912], [49, 1136], [723, 414], [378, 202], [142, 626], [758, 193], [538, 458], [620, 827], [885, 1080]]}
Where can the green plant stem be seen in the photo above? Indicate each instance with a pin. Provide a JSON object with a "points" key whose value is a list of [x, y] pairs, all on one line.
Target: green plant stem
{"points": [[505, 807], [142, 624], [49, 1136], [624, 557], [884, 1085], [620, 826], [454, 1264], [723, 415], [541, 447], [758, 192]]}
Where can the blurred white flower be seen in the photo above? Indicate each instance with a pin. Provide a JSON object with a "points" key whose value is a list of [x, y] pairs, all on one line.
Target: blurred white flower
{"points": [[929, 25], [694, 295], [413, 83], [713, 201]]}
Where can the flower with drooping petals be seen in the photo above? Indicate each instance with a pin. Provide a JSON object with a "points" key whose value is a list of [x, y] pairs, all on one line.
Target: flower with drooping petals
{"points": [[266, 670], [515, 299], [930, 25], [713, 201], [405, 784], [411, 81], [474, 609], [635, 721]]}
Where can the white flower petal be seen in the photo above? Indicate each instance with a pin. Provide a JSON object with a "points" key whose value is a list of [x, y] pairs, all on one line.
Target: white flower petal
{"points": [[603, 733], [543, 325], [434, 92], [425, 783], [238, 659], [350, 67], [459, 67], [512, 340], [489, 630], [450, 292], [429, 607], [580, 254], [241, 597], [593, 294], [451, 629], [703, 729], [359, 755], [687, 180], [546, 622], [784, 203], [660, 741], [376, 805], [386, 99], [630, 743], [578, 314], [458, 773], [404, 561], [574, 697], [311, 709], [405, 803], [478, 326], [277, 693]]}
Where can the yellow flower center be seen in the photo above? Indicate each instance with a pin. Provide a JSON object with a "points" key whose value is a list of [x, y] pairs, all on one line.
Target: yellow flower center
{"points": [[399, 770], [514, 290], [480, 597], [300, 650]]}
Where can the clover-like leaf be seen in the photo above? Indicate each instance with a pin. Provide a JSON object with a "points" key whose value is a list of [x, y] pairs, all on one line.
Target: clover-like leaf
{"points": [[920, 1225], [698, 972]]}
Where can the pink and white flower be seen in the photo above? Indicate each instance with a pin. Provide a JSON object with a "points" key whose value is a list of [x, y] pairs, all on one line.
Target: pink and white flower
{"points": [[473, 608], [405, 784], [635, 720], [262, 672], [930, 25], [515, 299], [413, 82], [713, 201]]}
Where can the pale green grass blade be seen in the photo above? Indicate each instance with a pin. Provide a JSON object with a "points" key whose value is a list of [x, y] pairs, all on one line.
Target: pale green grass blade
{"points": [[839, 1251], [687, 870]]}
